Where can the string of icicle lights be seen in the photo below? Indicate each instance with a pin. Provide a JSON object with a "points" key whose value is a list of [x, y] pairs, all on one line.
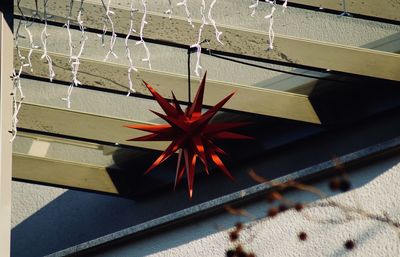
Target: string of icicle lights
{"points": [[76, 46]]}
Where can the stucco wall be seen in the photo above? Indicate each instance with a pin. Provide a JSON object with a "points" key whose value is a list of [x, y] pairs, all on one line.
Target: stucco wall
{"points": [[377, 189]]}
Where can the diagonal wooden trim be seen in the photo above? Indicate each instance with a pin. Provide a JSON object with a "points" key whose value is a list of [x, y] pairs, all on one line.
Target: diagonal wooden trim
{"points": [[248, 99], [253, 43], [82, 125], [388, 10], [62, 173]]}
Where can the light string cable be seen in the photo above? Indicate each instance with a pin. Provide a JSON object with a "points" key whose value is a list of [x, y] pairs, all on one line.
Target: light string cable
{"points": [[128, 51], [213, 23], [284, 5], [184, 3], [188, 77], [44, 36], [170, 10], [345, 13], [256, 3], [254, 8], [17, 103], [17, 93], [35, 14], [197, 45], [270, 17], [231, 59], [113, 38], [142, 42], [17, 35], [218, 33], [32, 45], [75, 59]]}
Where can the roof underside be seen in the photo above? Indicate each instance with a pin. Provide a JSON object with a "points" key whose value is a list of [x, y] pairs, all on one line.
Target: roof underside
{"points": [[359, 54]]}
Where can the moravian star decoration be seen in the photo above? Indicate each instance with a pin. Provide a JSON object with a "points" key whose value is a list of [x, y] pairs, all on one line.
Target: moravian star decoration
{"points": [[190, 133]]}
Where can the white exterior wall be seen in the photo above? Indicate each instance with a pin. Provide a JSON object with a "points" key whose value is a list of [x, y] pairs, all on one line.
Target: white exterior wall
{"points": [[378, 188]]}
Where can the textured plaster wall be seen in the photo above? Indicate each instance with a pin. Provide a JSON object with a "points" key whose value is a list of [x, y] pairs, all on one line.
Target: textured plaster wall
{"points": [[377, 193]]}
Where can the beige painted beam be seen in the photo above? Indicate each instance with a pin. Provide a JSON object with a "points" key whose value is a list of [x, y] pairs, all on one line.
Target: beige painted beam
{"points": [[248, 99], [253, 43], [62, 173], [6, 66], [82, 125], [375, 8], [305, 85], [66, 141]]}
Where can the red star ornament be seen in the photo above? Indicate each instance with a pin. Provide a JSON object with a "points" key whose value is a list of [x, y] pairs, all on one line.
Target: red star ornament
{"points": [[190, 133]]}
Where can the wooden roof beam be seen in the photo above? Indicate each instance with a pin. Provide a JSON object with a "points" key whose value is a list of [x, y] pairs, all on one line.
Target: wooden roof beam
{"points": [[82, 125], [388, 10], [247, 98], [62, 173], [252, 43]]}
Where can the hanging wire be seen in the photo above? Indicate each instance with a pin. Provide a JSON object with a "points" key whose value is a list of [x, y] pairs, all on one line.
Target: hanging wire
{"points": [[189, 51], [142, 42], [345, 13], [17, 103], [219, 56], [44, 35], [35, 14], [284, 5], [254, 8], [128, 51], [27, 24], [17, 93], [170, 10], [75, 59], [17, 34], [213, 23], [184, 3], [271, 33], [204, 22], [113, 38], [103, 34], [197, 45]]}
